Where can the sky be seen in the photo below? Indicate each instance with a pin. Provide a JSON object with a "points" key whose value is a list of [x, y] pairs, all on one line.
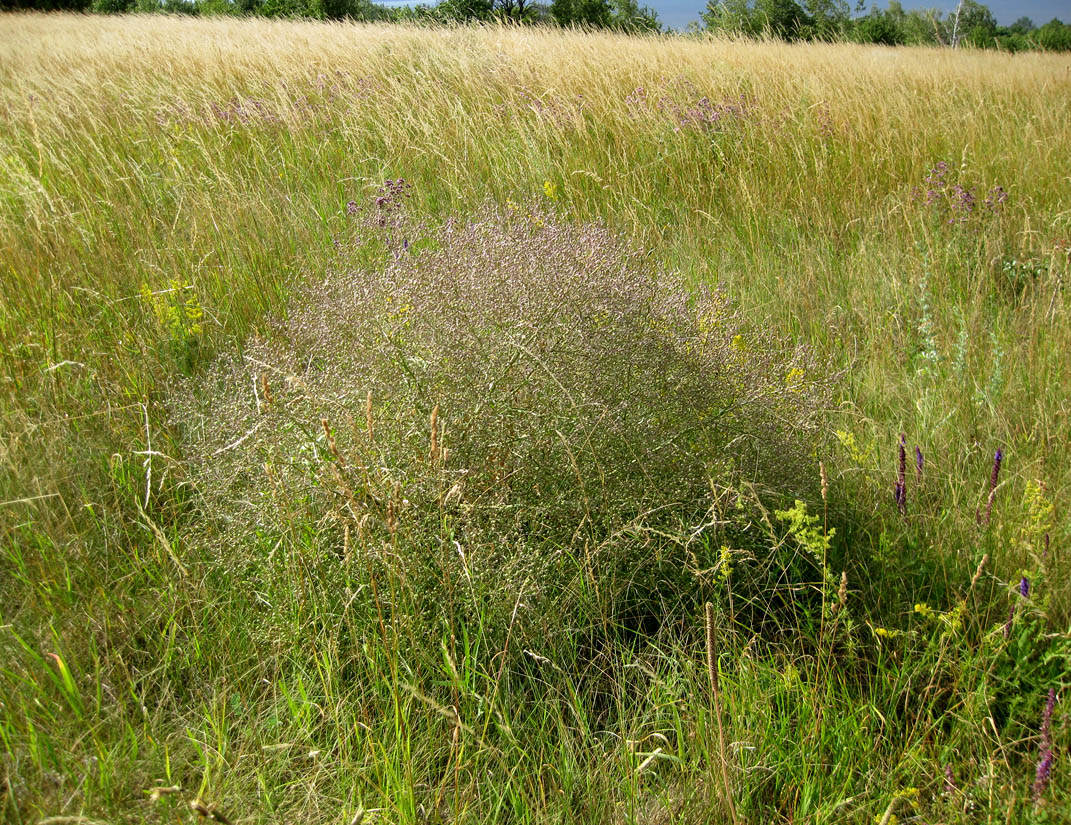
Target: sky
{"points": [[678, 13]]}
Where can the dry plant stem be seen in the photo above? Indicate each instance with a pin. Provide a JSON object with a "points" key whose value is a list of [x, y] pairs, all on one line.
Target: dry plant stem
{"points": [[887, 817], [978, 573], [379, 613], [434, 450], [822, 652], [712, 672]]}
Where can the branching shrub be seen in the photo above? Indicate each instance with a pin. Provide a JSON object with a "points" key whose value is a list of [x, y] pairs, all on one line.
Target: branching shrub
{"points": [[504, 391]]}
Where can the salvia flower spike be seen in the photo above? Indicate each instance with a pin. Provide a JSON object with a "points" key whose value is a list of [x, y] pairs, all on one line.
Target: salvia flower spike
{"points": [[994, 478], [900, 491], [1045, 756], [1024, 592], [1010, 621]]}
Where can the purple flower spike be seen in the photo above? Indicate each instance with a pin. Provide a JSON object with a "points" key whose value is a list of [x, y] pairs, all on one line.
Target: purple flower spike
{"points": [[998, 459], [900, 491], [1044, 769], [1044, 773], [950, 780], [918, 463], [1024, 587]]}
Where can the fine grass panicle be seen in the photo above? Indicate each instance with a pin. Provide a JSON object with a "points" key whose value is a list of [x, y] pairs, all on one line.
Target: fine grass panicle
{"points": [[509, 383]]}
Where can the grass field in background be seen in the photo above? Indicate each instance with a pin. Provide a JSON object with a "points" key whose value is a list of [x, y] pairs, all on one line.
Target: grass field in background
{"points": [[173, 190]]}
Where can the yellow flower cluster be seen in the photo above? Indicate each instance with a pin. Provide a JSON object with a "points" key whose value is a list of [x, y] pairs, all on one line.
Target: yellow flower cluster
{"points": [[794, 379], [177, 308], [855, 452]]}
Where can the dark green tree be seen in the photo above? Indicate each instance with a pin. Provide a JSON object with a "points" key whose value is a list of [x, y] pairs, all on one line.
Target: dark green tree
{"points": [[830, 19], [630, 16], [728, 16], [591, 13], [518, 10], [45, 5], [785, 19], [880, 27], [112, 6], [973, 24], [1024, 25], [463, 10], [1055, 36]]}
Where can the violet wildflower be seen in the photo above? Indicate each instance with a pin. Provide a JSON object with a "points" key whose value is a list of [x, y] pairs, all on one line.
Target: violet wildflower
{"points": [[1011, 619], [1044, 769], [918, 464], [936, 178], [1046, 717], [388, 201], [998, 459], [1024, 592], [1042, 775], [935, 183], [950, 780], [996, 198], [900, 491], [962, 202], [636, 100]]}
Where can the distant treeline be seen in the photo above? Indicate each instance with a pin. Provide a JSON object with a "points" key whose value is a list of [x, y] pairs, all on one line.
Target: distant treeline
{"points": [[971, 23], [625, 15]]}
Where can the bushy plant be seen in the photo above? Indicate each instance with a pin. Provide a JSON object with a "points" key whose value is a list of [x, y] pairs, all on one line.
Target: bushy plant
{"points": [[1055, 36], [509, 383], [879, 27], [112, 6]]}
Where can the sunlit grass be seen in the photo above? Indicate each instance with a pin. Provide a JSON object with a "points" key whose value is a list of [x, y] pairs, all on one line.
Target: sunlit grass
{"points": [[167, 185]]}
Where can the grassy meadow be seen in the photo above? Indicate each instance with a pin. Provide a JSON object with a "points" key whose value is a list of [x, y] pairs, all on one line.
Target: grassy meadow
{"points": [[381, 408]]}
